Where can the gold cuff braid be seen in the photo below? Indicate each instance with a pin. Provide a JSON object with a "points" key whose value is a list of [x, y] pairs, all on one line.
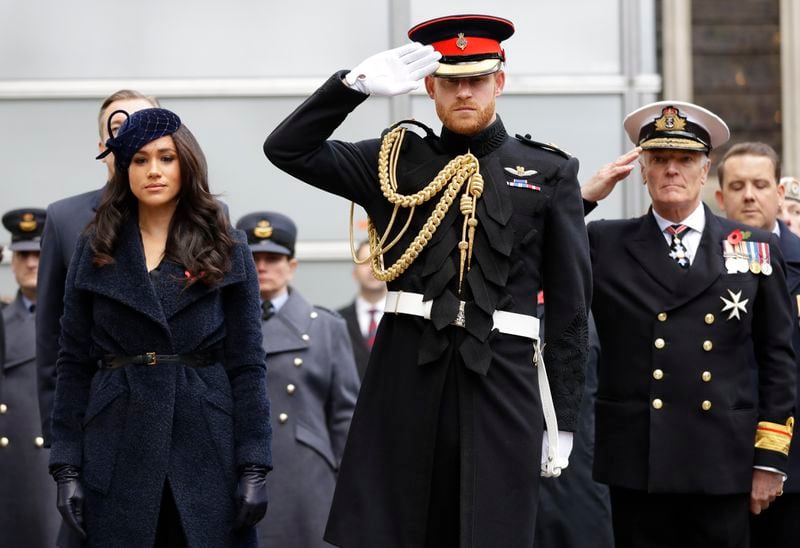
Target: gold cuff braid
{"points": [[774, 436], [461, 169]]}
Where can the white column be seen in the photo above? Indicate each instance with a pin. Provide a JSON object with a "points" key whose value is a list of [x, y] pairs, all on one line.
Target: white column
{"points": [[790, 85], [677, 48]]}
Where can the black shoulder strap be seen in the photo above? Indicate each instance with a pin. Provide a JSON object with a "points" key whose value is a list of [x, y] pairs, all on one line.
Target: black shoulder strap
{"points": [[544, 146]]}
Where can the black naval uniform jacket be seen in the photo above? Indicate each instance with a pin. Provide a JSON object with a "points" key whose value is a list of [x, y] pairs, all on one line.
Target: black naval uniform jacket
{"points": [[526, 240], [132, 428], [28, 515], [665, 337]]}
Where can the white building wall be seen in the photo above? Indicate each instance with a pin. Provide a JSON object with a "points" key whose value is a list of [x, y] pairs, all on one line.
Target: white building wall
{"points": [[233, 70]]}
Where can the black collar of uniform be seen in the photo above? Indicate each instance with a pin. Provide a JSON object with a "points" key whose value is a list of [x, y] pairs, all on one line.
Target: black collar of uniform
{"points": [[481, 144]]}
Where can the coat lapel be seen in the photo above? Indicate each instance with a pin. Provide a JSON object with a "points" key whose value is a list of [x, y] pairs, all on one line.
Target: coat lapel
{"points": [[126, 280], [284, 331], [649, 248]]}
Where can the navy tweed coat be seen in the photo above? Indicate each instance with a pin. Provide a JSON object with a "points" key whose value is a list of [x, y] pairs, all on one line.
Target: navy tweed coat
{"points": [[133, 428]]}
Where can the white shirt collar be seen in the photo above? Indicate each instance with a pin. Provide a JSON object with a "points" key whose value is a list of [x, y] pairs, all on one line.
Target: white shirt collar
{"points": [[363, 305], [280, 300], [696, 220], [776, 229]]}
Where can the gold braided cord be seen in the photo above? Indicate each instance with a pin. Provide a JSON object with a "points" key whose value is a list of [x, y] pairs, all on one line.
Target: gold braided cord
{"points": [[461, 169]]}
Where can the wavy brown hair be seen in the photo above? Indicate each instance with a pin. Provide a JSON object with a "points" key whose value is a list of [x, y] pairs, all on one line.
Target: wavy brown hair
{"points": [[199, 233]]}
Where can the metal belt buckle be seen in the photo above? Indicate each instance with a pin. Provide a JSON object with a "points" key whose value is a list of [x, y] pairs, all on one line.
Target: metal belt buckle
{"points": [[151, 358], [461, 319]]}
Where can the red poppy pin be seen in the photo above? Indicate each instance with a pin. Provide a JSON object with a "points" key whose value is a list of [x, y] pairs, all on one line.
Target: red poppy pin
{"points": [[737, 236], [191, 277]]}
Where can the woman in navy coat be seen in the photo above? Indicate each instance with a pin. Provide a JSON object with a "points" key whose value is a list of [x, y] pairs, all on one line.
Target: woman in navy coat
{"points": [[161, 432]]}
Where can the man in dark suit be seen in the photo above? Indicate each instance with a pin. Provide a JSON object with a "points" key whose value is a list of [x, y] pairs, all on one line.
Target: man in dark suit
{"points": [[28, 516], [312, 383], [750, 192], [686, 436], [66, 219], [365, 312]]}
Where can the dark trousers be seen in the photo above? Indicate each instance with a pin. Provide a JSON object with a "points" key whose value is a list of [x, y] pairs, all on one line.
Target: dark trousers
{"points": [[643, 520], [443, 507], [169, 532], [779, 525]]}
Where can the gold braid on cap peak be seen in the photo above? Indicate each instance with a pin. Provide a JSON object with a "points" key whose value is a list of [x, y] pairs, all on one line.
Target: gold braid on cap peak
{"points": [[463, 168], [774, 436]]}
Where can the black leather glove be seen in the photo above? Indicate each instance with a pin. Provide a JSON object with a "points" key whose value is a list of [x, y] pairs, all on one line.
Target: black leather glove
{"points": [[251, 495], [69, 498]]}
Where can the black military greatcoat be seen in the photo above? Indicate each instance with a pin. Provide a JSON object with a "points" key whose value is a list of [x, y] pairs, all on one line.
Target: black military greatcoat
{"points": [[529, 237], [666, 337]]}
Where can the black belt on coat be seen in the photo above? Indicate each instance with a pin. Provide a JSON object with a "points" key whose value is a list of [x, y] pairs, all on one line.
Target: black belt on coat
{"points": [[150, 359]]}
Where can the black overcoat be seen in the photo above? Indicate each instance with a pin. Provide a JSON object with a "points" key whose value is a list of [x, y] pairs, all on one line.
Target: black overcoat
{"points": [[66, 219], [527, 239], [313, 384], [652, 315], [28, 515], [133, 428]]}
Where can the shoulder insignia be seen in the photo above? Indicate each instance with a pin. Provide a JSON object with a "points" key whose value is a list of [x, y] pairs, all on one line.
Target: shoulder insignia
{"points": [[545, 146]]}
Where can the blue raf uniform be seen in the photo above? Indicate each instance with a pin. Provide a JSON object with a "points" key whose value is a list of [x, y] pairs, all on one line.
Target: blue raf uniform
{"points": [[313, 384], [28, 517]]}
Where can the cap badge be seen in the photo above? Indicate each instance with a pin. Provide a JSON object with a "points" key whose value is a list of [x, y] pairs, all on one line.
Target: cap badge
{"points": [[461, 42], [670, 120], [262, 230], [28, 222]]}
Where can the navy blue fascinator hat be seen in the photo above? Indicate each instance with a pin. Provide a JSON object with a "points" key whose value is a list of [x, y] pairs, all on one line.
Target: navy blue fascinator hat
{"points": [[137, 130]]}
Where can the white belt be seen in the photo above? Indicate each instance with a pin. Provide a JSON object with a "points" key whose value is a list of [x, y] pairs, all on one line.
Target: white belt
{"points": [[510, 323]]}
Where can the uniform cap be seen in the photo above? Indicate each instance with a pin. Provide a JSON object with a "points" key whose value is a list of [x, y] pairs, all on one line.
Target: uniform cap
{"points": [[269, 232], [676, 125], [137, 130], [792, 188], [469, 44], [26, 226]]}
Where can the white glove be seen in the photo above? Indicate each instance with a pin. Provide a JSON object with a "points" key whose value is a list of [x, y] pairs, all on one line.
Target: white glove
{"points": [[552, 469], [395, 71]]}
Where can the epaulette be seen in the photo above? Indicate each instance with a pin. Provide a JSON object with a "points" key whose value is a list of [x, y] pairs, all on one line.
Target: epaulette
{"points": [[545, 146], [328, 310]]}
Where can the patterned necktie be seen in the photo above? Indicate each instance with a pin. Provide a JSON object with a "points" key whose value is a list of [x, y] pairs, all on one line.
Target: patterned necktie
{"points": [[676, 249], [269, 310], [373, 327]]}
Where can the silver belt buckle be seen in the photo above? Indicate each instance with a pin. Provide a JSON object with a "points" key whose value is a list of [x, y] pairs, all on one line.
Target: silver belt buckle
{"points": [[461, 319]]}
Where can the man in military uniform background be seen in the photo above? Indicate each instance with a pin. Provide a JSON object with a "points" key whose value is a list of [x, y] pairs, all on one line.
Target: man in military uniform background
{"points": [[446, 439], [686, 437], [28, 516], [312, 382], [66, 219], [790, 212], [750, 192], [365, 312]]}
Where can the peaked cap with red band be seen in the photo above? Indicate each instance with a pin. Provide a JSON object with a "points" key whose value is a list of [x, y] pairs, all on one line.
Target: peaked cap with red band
{"points": [[469, 44]]}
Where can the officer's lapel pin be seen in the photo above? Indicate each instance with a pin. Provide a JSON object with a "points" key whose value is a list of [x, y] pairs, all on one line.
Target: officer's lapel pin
{"points": [[734, 305]]}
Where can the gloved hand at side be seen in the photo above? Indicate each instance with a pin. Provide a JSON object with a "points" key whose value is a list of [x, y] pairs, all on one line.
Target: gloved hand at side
{"points": [[395, 71], [69, 496], [251, 495], [552, 469]]}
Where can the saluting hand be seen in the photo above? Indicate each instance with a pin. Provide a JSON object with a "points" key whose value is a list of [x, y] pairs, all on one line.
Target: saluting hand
{"points": [[767, 486], [603, 182], [395, 71]]}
